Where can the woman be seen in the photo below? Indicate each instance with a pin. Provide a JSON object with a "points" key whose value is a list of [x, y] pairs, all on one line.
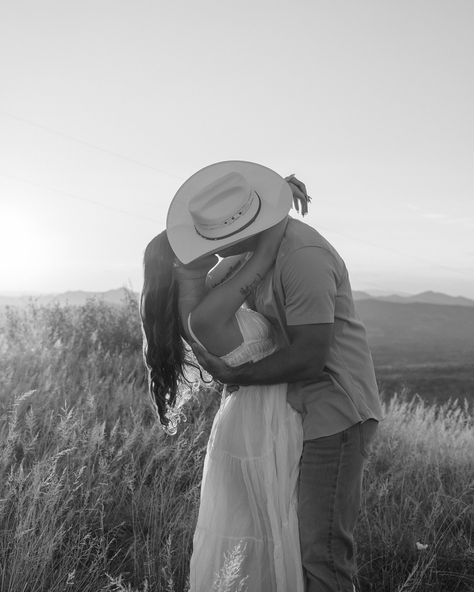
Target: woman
{"points": [[247, 524]]}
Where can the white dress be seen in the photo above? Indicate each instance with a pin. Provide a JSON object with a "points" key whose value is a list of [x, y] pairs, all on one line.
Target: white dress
{"points": [[247, 528]]}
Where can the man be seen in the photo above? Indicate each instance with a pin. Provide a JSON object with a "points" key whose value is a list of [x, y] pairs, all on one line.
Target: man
{"points": [[323, 354]]}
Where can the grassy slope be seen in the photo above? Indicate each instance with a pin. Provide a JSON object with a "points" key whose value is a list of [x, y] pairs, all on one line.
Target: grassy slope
{"points": [[427, 347], [94, 497]]}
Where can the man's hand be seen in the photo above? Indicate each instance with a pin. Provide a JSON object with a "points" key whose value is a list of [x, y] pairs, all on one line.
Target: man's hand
{"points": [[218, 369]]}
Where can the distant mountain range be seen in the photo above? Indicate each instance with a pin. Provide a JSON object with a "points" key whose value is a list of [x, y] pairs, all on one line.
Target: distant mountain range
{"points": [[74, 298], [78, 297], [424, 297]]}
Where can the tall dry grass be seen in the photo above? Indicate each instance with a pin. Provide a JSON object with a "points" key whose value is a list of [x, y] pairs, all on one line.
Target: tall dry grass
{"points": [[95, 497]]}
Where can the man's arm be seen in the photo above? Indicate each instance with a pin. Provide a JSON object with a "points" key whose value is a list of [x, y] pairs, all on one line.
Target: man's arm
{"points": [[303, 359], [309, 277]]}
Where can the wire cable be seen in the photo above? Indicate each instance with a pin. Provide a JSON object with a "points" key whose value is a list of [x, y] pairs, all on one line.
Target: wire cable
{"points": [[79, 198], [161, 171], [390, 250], [88, 144]]}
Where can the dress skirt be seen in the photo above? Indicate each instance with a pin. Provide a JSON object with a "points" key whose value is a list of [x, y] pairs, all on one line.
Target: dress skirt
{"points": [[246, 538]]}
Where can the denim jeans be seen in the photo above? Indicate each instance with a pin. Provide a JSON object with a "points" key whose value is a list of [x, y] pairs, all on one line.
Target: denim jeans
{"points": [[330, 489]]}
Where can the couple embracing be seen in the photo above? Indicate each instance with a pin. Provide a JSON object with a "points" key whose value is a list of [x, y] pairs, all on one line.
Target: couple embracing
{"points": [[274, 321]]}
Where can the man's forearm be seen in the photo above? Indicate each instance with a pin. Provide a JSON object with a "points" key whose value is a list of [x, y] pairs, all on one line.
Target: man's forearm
{"points": [[303, 359], [289, 364]]}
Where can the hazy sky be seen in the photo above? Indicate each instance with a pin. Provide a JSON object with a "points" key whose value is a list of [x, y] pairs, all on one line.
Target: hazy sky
{"points": [[106, 107]]}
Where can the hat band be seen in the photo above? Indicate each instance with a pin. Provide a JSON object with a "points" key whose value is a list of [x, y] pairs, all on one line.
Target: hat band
{"points": [[239, 229]]}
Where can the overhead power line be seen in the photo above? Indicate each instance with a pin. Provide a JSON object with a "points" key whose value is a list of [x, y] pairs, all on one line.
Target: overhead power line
{"points": [[148, 219], [162, 171], [78, 197], [396, 251], [86, 143]]}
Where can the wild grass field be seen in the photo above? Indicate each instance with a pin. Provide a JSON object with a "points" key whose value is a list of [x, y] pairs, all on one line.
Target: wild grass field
{"points": [[95, 497]]}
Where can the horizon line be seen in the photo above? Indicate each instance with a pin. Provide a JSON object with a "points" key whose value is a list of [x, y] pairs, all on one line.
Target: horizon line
{"points": [[376, 293]]}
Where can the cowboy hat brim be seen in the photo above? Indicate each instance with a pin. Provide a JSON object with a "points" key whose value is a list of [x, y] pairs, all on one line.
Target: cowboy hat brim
{"points": [[274, 192]]}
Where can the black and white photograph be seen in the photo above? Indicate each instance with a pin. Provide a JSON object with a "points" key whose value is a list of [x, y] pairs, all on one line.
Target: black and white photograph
{"points": [[236, 296]]}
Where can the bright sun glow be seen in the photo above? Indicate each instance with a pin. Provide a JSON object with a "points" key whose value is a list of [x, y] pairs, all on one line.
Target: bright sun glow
{"points": [[25, 250]]}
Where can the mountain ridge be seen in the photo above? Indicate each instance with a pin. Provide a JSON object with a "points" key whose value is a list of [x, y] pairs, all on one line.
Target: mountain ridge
{"points": [[71, 297], [117, 295], [427, 297]]}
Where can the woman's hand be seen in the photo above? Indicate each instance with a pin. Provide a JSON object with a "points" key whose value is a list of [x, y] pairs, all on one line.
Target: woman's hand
{"points": [[300, 197]]}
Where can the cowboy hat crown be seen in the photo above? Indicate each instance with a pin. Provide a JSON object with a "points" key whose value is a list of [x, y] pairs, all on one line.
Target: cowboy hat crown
{"points": [[224, 207], [223, 204]]}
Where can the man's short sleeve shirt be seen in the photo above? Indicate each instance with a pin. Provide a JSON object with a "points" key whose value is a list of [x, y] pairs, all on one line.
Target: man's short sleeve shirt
{"points": [[309, 284]]}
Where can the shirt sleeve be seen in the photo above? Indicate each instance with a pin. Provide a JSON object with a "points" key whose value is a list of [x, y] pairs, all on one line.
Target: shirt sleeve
{"points": [[309, 282]]}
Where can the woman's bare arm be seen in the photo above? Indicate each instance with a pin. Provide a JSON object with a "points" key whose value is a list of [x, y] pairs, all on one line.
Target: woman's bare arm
{"points": [[219, 305]]}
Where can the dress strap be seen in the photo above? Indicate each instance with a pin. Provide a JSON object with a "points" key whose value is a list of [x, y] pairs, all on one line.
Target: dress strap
{"points": [[192, 332]]}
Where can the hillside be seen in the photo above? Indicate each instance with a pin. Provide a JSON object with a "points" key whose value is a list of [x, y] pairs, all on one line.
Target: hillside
{"points": [[418, 333], [85, 466], [429, 348]]}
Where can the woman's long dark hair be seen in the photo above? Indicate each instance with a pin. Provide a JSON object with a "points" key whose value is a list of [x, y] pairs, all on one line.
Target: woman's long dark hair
{"points": [[164, 350]]}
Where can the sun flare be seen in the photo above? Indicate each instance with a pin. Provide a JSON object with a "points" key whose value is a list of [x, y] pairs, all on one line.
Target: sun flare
{"points": [[25, 250]]}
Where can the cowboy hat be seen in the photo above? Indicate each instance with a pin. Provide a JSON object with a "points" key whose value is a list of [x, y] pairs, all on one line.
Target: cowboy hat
{"points": [[223, 204]]}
